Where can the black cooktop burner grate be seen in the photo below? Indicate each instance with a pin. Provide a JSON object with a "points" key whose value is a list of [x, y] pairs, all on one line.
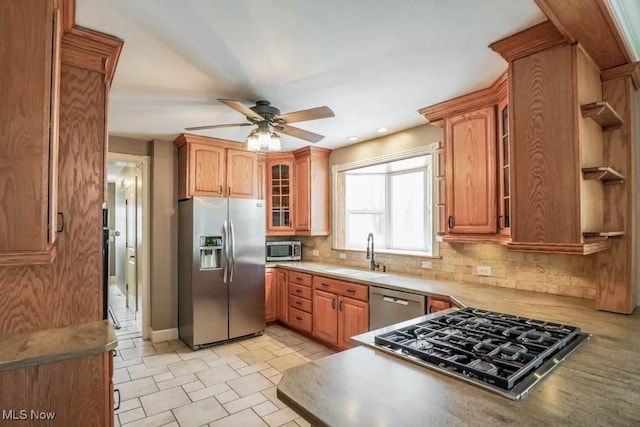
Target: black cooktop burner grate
{"points": [[495, 348]]}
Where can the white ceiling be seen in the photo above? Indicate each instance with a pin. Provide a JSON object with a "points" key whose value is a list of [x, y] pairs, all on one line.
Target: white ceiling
{"points": [[373, 62]]}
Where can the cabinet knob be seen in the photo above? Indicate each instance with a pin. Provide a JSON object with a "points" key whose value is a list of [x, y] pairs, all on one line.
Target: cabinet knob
{"points": [[351, 291]]}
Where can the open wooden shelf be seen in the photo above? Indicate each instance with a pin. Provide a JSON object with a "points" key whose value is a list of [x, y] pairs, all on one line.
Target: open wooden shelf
{"points": [[603, 233], [603, 114], [604, 173]]}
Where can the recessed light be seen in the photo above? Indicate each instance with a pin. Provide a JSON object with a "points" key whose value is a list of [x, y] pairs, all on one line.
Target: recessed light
{"points": [[353, 138], [382, 130]]}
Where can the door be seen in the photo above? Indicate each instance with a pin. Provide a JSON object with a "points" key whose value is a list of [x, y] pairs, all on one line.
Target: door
{"points": [[269, 295], [242, 172], [353, 319], [131, 241], [470, 158], [206, 170], [303, 194], [247, 256], [325, 316], [209, 294], [282, 296]]}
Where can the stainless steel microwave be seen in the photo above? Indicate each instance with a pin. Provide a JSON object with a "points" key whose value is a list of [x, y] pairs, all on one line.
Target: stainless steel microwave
{"points": [[284, 251]]}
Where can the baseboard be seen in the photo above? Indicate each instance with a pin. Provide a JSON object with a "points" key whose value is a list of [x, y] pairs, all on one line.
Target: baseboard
{"points": [[164, 335]]}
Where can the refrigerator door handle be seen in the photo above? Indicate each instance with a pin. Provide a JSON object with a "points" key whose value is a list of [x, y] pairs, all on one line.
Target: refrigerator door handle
{"points": [[233, 251], [226, 251]]}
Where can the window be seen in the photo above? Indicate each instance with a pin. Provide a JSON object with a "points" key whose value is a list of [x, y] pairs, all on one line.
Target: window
{"points": [[391, 198]]}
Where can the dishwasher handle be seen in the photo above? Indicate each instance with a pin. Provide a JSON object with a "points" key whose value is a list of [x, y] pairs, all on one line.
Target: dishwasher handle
{"points": [[395, 300]]}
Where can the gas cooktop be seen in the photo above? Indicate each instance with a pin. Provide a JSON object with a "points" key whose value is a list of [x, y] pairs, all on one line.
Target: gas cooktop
{"points": [[503, 353]]}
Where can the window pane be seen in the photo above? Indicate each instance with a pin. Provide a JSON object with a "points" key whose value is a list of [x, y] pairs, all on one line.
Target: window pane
{"points": [[360, 225], [364, 192], [407, 211]]}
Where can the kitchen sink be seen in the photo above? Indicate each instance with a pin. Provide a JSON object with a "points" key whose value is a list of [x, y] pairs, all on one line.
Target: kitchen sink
{"points": [[358, 274]]}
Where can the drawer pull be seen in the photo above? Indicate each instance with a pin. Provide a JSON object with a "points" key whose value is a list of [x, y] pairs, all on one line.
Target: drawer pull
{"points": [[299, 291], [325, 285], [298, 318], [333, 304], [116, 406], [340, 306], [299, 302], [299, 278], [351, 291]]}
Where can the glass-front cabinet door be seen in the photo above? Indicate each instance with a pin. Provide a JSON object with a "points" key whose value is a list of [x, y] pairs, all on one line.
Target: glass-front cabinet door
{"points": [[504, 170], [280, 192]]}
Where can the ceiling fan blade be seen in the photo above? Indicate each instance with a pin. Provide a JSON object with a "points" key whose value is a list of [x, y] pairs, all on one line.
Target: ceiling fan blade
{"points": [[299, 133], [230, 125], [241, 108], [305, 115]]}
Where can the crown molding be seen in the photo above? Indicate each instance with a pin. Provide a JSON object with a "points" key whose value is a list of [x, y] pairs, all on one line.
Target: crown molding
{"points": [[628, 70], [469, 102], [91, 50], [527, 42]]}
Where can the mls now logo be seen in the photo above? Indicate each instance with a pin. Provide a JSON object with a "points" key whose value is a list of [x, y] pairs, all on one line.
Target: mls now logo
{"points": [[23, 414]]}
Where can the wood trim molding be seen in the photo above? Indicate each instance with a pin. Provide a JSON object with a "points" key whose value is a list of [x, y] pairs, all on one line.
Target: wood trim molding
{"points": [[469, 102], [68, 12], [590, 22], [28, 258], [628, 70], [527, 42], [560, 248], [91, 50], [184, 138]]}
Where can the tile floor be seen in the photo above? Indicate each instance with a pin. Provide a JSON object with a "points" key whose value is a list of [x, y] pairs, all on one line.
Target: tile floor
{"points": [[168, 384]]}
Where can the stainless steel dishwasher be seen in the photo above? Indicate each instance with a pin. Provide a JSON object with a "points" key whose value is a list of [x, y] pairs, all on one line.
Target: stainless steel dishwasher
{"points": [[387, 307]]}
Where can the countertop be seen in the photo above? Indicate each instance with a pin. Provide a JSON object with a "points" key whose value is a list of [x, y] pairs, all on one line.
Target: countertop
{"points": [[597, 385], [30, 348]]}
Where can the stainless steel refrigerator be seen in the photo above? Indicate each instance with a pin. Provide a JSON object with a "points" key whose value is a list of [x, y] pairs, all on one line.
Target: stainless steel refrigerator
{"points": [[221, 257]]}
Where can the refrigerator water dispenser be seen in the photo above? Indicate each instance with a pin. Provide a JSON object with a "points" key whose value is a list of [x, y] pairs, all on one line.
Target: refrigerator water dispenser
{"points": [[210, 252]]}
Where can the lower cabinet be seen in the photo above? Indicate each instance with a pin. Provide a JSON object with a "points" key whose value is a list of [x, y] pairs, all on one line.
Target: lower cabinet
{"points": [[435, 304], [337, 317], [270, 314], [282, 296], [299, 301]]}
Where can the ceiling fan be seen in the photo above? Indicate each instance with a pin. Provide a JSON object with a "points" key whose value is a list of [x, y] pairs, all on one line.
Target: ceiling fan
{"points": [[268, 120]]}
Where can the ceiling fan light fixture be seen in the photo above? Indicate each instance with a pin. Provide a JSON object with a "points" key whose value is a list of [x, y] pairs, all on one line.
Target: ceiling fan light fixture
{"points": [[274, 142], [252, 141]]}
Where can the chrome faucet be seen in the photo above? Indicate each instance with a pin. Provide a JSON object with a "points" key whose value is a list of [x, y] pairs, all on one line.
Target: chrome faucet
{"points": [[371, 253]]}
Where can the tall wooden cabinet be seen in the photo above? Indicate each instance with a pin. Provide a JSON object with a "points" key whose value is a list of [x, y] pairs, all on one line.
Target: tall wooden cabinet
{"points": [[560, 172], [270, 303], [312, 191], [282, 295], [216, 168], [67, 290], [29, 107]]}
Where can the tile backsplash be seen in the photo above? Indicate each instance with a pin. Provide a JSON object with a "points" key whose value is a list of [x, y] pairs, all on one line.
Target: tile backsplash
{"points": [[571, 275]]}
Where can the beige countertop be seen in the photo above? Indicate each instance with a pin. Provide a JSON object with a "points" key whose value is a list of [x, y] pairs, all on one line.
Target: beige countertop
{"points": [[30, 348], [597, 385]]}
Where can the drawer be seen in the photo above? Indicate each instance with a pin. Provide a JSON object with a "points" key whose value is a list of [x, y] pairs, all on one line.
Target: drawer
{"points": [[340, 287], [436, 304], [299, 278], [299, 319], [300, 303], [300, 291]]}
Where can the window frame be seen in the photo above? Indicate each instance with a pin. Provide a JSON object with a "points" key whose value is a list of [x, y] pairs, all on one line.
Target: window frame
{"points": [[430, 193]]}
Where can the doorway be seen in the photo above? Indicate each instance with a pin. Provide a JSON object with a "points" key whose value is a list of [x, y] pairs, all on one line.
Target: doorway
{"points": [[128, 204]]}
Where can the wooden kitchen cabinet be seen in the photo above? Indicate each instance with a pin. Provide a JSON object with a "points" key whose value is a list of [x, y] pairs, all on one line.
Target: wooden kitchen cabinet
{"points": [[312, 191], [473, 170], [282, 296], [340, 311], [270, 295], [30, 62], [215, 168], [435, 304], [559, 203], [470, 153], [280, 194], [300, 304]]}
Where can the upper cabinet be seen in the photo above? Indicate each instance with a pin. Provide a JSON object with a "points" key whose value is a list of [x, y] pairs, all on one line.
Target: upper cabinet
{"points": [[470, 153], [473, 169], [312, 191], [216, 168], [298, 192], [30, 63], [280, 194], [559, 166]]}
